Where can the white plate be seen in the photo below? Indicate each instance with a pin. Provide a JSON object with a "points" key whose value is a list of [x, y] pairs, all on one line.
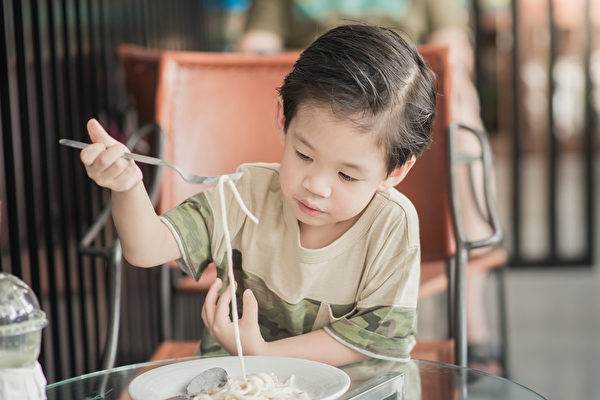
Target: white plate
{"points": [[319, 381]]}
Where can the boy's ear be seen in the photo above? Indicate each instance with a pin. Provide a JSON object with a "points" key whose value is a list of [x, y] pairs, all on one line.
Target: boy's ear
{"points": [[280, 116], [397, 175]]}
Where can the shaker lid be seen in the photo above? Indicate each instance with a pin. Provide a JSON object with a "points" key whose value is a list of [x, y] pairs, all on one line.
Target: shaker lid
{"points": [[19, 307]]}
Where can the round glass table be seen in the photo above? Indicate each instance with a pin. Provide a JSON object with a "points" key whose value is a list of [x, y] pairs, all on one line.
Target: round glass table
{"points": [[371, 380]]}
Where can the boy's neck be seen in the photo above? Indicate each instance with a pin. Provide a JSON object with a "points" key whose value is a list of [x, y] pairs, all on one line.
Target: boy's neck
{"points": [[316, 237]]}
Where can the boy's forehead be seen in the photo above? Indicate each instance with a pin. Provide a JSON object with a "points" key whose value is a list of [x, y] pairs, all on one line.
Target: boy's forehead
{"points": [[320, 117], [315, 112], [314, 119], [321, 131]]}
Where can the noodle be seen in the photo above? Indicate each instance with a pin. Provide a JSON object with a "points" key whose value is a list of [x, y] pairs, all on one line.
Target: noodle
{"points": [[256, 386], [261, 386], [236, 325]]}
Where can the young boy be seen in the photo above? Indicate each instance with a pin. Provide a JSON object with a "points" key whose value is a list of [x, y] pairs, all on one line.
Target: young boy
{"points": [[331, 272]]}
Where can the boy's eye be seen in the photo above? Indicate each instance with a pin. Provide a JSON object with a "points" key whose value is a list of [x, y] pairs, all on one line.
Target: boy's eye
{"points": [[303, 156], [347, 177]]}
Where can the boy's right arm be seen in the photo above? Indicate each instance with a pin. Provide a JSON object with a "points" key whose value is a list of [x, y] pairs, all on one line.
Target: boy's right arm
{"points": [[145, 240]]}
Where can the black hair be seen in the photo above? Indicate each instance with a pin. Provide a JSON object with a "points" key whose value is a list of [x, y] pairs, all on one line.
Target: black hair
{"points": [[373, 76]]}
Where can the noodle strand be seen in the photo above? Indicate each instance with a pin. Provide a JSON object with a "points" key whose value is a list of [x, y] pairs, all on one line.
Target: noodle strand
{"points": [[234, 311]]}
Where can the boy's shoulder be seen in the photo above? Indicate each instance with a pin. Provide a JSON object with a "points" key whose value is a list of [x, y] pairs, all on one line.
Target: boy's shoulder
{"points": [[259, 169], [398, 212], [259, 175], [259, 184], [396, 202]]}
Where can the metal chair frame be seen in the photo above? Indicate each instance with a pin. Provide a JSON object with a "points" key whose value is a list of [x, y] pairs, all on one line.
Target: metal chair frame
{"points": [[458, 265]]}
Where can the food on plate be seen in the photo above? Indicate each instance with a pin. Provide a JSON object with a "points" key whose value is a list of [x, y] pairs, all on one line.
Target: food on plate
{"points": [[256, 386]]}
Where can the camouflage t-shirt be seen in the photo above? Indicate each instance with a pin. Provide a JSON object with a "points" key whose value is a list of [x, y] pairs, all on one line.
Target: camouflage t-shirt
{"points": [[361, 289]]}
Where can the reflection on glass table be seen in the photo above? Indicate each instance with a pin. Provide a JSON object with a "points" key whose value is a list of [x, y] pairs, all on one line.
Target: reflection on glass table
{"points": [[371, 380]]}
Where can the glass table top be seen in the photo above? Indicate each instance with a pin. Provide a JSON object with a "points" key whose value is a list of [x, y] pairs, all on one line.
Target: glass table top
{"points": [[371, 379]]}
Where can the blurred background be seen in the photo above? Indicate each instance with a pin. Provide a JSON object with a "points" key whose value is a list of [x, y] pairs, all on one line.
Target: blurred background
{"points": [[537, 71]]}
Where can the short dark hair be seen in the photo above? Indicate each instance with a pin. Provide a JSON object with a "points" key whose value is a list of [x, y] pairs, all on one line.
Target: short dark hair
{"points": [[370, 74]]}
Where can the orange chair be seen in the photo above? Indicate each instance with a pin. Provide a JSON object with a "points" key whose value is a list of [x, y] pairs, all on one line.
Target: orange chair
{"points": [[430, 186], [207, 101]]}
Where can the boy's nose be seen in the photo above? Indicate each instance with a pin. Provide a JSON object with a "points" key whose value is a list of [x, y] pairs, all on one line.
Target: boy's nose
{"points": [[317, 185]]}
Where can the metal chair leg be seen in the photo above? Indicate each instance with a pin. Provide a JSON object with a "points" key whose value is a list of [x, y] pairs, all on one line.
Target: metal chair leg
{"points": [[503, 320], [166, 314], [115, 268], [451, 295], [460, 311]]}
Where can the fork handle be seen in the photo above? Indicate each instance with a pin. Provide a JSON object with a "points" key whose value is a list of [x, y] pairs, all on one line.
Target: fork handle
{"points": [[145, 159], [128, 156]]}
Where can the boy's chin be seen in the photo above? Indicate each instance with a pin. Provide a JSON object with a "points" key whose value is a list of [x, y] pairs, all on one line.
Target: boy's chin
{"points": [[316, 221]]}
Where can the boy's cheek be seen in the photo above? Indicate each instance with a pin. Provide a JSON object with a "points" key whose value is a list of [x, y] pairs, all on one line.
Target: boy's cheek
{"points": [[285, 180], [355, 201]]}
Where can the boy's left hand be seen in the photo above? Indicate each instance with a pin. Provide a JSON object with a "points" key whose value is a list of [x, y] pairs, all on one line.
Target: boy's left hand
{"points": [[215, 315]]}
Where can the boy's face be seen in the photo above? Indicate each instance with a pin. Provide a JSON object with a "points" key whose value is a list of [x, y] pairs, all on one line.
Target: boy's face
{"points": [[330, 170]]}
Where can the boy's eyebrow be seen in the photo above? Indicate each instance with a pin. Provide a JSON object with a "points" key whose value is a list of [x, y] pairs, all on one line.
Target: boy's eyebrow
{"points": [[355, 167], [305, 142]]}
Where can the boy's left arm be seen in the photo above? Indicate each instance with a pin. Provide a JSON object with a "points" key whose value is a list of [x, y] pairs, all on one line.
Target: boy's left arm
{"points": [[317, 346]]}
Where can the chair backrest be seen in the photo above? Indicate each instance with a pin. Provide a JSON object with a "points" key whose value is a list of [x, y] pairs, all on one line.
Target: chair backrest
{"points": [[140, 66], [428, 183], [219, 110]]}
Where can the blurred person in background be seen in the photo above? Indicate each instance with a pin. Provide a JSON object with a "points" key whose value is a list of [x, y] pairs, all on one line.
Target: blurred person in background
{"points": [[279, 25], [226, 20], [235, 20]]}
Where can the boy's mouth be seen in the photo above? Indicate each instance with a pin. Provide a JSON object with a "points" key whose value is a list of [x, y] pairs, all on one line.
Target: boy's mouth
{"points": [[308, 209]]}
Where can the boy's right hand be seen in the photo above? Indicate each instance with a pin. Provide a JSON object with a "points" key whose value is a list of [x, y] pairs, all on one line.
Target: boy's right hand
{"points": [[104, 163]]}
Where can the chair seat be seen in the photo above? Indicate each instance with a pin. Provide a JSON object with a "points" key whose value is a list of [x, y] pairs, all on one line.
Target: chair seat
{"points": [[434, 278], [175, 349], [433, 350], [433, 274], [494, 258]]}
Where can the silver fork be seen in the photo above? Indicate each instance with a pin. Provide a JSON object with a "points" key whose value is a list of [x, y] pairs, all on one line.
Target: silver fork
{"points": [[191, 178]]}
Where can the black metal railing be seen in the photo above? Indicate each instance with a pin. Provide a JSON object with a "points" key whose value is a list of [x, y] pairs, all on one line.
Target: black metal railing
{"points": [[57, 69], [585, 151], [547, 146]]}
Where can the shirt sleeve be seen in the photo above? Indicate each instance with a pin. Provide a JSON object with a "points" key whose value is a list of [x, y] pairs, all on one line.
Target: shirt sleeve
{"points": [[190, 223], [384, 325], [197, 227]]}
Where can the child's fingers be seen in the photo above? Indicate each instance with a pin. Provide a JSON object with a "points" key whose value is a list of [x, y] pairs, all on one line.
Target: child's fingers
{"points": [[91, 152], [222, 314], [117, 168], [205, 320], [98, 134], [210, 301], [126, 180], [250, 307], [113, 154]]}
